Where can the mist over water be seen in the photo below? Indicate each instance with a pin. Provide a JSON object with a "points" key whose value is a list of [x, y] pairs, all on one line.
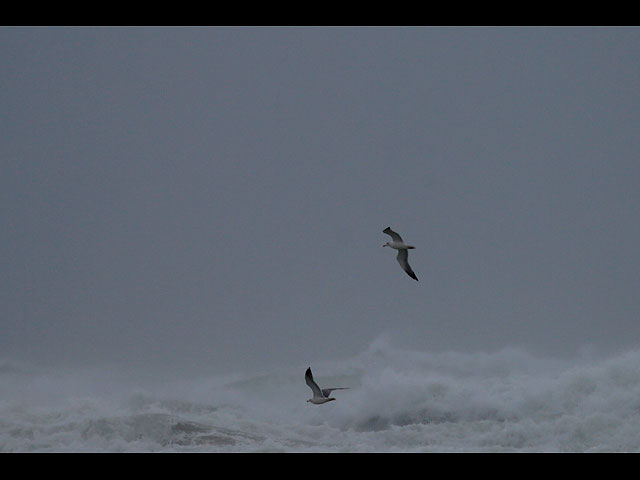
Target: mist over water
{"points": [[399, 400]]}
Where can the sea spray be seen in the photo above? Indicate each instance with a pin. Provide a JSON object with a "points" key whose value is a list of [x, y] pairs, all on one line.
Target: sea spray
{"points": [[399, 400]]}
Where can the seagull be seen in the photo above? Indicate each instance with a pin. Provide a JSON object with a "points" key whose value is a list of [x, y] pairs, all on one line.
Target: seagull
{"points": [[319, 396], [403, 251]]}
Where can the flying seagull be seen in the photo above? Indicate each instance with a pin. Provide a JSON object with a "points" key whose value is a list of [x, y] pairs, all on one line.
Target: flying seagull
{"points": [[320, 396], [403, 251]]}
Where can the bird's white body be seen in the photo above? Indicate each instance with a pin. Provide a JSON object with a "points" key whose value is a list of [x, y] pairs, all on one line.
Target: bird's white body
{"points": [[398, 245], [320, 401]]}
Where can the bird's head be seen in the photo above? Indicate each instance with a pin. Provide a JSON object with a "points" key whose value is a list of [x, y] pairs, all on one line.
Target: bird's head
{"points": [[386, 244]]}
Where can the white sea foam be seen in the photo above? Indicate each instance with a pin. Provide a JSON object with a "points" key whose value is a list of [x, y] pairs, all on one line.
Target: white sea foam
{"points": [[399, 401]]}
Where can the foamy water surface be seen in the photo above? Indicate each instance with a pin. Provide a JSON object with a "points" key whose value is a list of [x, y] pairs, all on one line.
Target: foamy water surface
{"points": [[399, 401]]}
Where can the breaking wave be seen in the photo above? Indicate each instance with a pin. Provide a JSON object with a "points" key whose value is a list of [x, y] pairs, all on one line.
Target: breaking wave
{"points": [[399, 401]]}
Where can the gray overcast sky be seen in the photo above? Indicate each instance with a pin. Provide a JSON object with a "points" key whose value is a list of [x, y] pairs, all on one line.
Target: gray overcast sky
{"points": [[214, 198]]}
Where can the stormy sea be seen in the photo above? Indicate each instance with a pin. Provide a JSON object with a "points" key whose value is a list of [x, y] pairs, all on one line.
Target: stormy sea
{"points": [[398, 400]]}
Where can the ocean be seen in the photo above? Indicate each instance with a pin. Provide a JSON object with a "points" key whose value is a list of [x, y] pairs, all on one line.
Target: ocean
{"points": [[399, 400]]}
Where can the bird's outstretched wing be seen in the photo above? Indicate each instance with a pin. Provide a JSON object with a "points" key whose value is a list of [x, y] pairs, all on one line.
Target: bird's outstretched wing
{"points": [[394, 235], [403, 260], [327, 391], [308, 377]]}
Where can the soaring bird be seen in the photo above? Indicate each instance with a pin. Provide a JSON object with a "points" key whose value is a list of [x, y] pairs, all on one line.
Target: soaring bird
{"points": [[403, 251], [320, 396]]}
